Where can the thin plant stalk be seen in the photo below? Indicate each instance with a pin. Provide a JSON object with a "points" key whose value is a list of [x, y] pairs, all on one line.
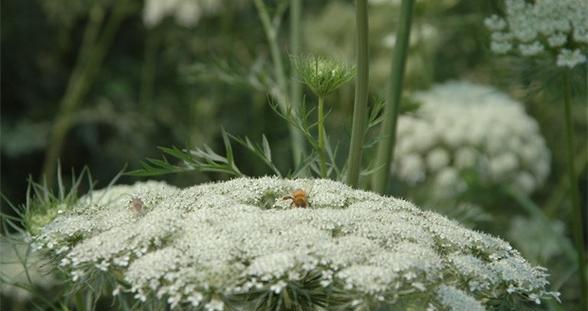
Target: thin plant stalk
{"points": [[88, 64], [295, 85], [577, 218], [361, 94], [384, 154], [321, 136], [281, 93]]}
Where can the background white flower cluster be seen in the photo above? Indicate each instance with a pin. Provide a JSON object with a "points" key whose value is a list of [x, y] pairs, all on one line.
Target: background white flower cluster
{"points": [[463, 128], [186, 13], [205, 245], [531, 28]]}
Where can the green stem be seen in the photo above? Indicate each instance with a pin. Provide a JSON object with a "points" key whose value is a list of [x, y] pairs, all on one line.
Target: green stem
{"points": [[361, 94], [385, 151], [271, 34], [91, 32], [321, 137], [79, 301], [295, 85], [281, 94], [558, 195], [577, 217], [91, 57]]}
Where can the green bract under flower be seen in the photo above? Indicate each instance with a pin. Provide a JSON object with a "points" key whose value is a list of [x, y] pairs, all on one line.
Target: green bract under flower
{"points": [[239, 244]]}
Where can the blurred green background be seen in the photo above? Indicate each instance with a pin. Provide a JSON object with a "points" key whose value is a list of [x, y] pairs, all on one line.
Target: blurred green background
{"points": [[143, 82]]}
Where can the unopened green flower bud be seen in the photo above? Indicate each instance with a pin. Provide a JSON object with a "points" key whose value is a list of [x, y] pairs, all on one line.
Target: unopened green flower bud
{"points": [[322, 75]]}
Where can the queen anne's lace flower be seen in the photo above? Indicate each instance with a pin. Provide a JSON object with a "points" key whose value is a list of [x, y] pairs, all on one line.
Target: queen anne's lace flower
{"points": [[207, 245], [570, 59], [557, 26], [463, 127], [457, 300]]}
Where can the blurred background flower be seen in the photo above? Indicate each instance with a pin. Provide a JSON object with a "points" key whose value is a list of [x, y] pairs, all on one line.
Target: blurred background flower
{"points": [[559, 28], [467, 131]]}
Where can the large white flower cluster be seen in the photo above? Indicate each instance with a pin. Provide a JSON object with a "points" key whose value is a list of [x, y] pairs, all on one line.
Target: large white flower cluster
{"points": [[186, 13], [213, 245], [463, 128], [531, 28]]}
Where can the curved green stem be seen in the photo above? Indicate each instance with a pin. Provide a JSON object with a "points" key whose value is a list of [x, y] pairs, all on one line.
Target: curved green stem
{"points": [[321, 137], [281, 94], [385, 151], [295, 85], [361, 94], [88, 64], [577, 217]]}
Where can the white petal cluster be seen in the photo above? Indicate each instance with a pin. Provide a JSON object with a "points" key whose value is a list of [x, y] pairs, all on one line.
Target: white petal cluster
{"points": [[203, 246], [532, 27], [398, 2], [419, 33], [186, 13], [456, 300], [463, 127]]}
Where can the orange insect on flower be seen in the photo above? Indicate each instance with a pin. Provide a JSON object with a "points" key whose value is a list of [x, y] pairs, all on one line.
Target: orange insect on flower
{"points": [[299, 198]]}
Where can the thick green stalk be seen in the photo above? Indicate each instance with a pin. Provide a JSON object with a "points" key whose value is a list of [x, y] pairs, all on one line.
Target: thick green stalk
{"points": [[281, 94], [88, 64], [385, 151], [79, 301], [577, 218], [295, 85], [321, 137], [361, 94]]}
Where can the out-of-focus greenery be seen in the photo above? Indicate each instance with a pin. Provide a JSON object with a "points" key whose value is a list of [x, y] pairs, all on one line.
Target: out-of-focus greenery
{"points": [[171, 85]]}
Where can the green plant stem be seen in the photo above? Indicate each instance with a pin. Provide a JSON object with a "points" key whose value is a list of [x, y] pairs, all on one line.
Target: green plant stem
{"points": [[385, 150], [321, 137], [558, 195], [281, 94], [295, 85], [79, 301], [361, 94], [577, 217], [88, 64]]}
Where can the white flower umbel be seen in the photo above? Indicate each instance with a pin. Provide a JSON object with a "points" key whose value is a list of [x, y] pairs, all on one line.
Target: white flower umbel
{"points": [[186, 13], [232, 245], [462, 127], [533, 27]]}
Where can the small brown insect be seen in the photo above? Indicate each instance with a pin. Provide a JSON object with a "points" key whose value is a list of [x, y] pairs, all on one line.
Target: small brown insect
{"points": [[299, 198], [136, 205]]}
